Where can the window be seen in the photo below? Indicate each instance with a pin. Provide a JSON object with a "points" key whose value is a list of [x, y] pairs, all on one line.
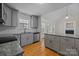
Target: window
{"points": [[26, 23]]}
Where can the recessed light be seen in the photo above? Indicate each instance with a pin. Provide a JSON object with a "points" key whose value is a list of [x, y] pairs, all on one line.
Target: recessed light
{"points": [[41, 3]]}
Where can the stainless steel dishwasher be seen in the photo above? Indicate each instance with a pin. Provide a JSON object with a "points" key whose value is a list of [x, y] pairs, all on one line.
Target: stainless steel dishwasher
{"points": [[36, 36]]}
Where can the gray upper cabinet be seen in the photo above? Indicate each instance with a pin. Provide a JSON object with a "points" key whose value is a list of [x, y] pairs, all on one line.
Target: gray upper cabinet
{"points": [[34, 21], [9, 15], [14, 17], [6, 15]]}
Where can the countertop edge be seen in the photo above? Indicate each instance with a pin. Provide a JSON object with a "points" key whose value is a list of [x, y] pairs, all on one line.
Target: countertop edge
{"points": [[62, 35]]}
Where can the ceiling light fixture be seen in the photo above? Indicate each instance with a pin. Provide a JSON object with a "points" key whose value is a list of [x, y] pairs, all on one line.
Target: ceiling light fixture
{"points": [[67, 16]]}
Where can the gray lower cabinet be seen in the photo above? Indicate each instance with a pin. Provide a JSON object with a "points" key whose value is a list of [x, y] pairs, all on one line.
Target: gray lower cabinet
{"points": [[67, 46], [18, 36], [26, 39], [77, 46], [62, 44], [23, 40], [48, 43], [52, 42], [55, 43]]}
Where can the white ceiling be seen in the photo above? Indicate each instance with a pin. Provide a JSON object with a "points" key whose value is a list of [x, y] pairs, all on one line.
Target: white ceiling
{"points": [[37, 8]]}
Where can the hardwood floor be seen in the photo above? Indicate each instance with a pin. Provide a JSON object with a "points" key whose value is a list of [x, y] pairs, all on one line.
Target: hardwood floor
{"points": [[38, 49]]}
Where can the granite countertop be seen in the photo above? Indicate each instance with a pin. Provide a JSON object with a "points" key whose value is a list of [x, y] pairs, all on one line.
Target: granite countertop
{"points": [[70, 36], [7, 39]]}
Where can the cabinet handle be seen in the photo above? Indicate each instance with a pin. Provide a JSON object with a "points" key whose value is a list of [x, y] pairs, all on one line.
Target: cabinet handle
{"points": [[50, 41], [66, 39], [73, 47]]}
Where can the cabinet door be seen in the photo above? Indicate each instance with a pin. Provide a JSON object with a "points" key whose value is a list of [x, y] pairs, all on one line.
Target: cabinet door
{"points": [[26, 39], [55, 43], [34, 21], [67, 45], [29, 38], [47, 41], [14, 18], [23, 40], [46, 36], [77, 46], [52, 42], [7, 15]]}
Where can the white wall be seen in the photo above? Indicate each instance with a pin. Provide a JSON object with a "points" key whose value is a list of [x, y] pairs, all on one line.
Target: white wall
{"points": [[58, 18]]}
